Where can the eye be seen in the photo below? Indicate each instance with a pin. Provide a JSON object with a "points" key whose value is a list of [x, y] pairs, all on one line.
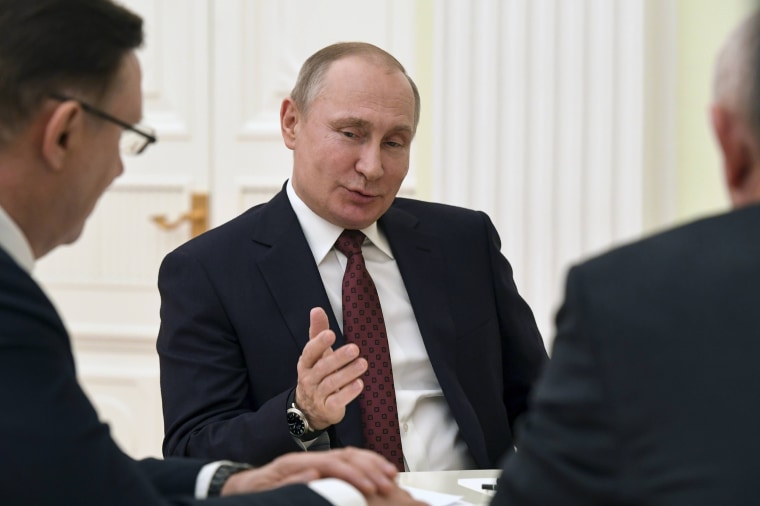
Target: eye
{"points": [[396, 141], [350, 135]]}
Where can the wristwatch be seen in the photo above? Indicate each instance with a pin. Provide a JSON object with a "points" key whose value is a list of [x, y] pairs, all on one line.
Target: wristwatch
{"points": [[223, 472], [297, 422]]}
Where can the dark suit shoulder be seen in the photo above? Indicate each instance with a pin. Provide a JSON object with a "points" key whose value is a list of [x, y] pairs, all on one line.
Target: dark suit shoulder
{"points": [[22, 298], [431, 208], [234, 229], [435, 218], [263, 223], [694, 247]]}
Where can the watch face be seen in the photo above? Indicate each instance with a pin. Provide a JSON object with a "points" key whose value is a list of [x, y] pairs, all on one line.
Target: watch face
{"points": [[296, 425]]}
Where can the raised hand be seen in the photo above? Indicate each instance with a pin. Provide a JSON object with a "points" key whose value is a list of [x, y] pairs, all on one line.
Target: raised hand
{"points": [[327, 379]]}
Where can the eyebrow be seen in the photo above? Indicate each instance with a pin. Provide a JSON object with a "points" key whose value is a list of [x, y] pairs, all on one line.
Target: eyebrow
{"points": [[353, 121]]}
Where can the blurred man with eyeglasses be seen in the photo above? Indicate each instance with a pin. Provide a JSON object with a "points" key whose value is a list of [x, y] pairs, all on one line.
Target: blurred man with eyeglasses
{"points": [[69, 102], [134, 139]]}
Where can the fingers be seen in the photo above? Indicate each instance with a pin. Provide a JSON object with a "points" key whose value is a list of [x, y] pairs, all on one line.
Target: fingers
{"points": [[369, 472], [252, 480], [274, 474], [324, 390], [373, 466], [339, 369], [333, 371], [327, 379], [316, 347], [304, 476]]}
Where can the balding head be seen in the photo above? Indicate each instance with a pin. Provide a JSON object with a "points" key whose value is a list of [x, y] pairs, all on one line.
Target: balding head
{"points": [[311, 76], [735, 85], [736, 110]]}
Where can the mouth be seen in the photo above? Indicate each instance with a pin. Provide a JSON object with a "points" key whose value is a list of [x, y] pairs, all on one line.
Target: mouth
{"points": [[361, 194]]}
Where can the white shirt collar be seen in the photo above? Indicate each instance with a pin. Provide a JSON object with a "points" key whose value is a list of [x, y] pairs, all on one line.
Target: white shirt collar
{"points": [[321, 234], [13, 241]]}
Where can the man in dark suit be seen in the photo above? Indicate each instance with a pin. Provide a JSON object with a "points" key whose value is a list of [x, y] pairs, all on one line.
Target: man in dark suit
{"points": [[69, 100], [252, 316], [652, 393]]}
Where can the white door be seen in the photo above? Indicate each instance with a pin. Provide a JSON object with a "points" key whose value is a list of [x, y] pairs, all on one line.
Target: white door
{"points": [[214, 74]]}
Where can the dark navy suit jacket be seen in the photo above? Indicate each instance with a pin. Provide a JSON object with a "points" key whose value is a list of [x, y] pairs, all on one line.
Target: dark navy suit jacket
{"points": [[652, 396], [54, 449], [235, 308]]}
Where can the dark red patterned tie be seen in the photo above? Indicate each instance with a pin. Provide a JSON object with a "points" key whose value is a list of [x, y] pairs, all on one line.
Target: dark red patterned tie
{"points": [[363, 324]]}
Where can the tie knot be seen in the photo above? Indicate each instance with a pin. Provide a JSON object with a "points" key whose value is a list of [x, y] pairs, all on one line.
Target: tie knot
{"points": [[350, 242]]}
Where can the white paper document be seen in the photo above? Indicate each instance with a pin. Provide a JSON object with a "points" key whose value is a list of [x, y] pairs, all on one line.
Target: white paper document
{"points": [[436, 498], [476, 484]]}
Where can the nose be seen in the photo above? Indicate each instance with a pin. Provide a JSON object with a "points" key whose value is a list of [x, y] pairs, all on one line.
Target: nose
{"points": [[370, 163]]}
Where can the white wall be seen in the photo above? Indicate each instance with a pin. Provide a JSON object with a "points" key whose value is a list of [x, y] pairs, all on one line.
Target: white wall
{"points": [[540, 112]]}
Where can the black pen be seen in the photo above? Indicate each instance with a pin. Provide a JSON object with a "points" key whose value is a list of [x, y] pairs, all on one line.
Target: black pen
{"points": [[488, 486]]}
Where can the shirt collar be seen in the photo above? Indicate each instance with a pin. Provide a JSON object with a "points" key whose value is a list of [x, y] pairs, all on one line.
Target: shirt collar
{"points": [[321, 234], [13, 241]]}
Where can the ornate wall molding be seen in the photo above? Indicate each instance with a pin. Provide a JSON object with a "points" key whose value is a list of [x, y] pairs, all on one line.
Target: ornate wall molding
{"points": [[540, 114]]}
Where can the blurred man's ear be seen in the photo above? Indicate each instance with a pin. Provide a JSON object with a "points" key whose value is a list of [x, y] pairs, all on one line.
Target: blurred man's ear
{"points": [[735, 140], [57, 133]]}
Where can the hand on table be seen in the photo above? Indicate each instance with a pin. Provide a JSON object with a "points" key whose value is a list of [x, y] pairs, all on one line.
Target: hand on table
{"points": [[327, 379], [366, 470]]}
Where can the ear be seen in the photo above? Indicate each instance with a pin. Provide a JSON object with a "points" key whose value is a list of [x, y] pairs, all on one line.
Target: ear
{"points": [[289, 117], [59, 134], [734, 139]]}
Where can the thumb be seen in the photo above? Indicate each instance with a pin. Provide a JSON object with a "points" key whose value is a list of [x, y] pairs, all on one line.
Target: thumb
{"points": [[317, 322]]}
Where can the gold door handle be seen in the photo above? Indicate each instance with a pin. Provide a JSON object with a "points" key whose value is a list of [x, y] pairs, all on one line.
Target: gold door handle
{"points": [[197, 216]]}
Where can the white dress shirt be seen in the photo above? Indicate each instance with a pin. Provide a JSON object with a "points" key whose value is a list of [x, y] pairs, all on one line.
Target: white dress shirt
{"points": [[14, 242], [429, 434]]}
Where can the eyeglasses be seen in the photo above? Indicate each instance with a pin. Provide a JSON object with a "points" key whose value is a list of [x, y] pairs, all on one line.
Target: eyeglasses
{"points": [[134, 138]]}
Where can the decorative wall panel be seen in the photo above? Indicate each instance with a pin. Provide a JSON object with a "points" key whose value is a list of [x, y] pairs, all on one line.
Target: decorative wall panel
{"points": [[540, 112]]}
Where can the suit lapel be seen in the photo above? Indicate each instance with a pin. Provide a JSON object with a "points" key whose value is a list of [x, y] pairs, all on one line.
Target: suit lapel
{"points": [[422, 265], [286, 264]]}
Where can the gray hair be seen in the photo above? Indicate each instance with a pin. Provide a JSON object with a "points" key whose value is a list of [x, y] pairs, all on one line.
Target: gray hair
{"points": [[735, 84]]}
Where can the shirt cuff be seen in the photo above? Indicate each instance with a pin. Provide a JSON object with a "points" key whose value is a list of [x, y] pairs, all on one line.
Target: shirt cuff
{"points": [[338, 492], [319, 443], [203, 481]]}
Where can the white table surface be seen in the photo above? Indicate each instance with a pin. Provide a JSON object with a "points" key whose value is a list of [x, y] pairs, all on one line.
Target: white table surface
{"points": [[447, 482]]}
